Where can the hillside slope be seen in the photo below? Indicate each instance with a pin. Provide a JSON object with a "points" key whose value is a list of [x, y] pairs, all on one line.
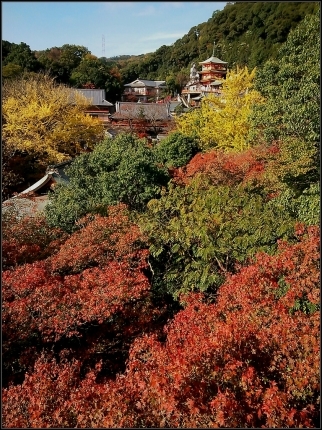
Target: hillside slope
{"points": [[244, 32]]}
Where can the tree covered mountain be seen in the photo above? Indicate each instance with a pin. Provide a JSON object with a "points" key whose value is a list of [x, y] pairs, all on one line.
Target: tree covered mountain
{"points": [[245, 33]]}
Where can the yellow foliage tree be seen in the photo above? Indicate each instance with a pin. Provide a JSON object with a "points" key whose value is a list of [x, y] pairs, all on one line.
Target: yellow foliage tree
{"points": [[223, 122], [46, 120]]}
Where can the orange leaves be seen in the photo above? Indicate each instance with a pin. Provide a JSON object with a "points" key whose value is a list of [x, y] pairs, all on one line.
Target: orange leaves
{"points": [[249, 359], [57, 306], [235, 372], [222, 168], [101, 240], [28, 239], [42, 308]]}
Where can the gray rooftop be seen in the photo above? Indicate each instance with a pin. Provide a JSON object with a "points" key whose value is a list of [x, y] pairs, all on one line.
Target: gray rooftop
{"points": [[158, 111], [145, 83], [174, 104], [96, 96]]}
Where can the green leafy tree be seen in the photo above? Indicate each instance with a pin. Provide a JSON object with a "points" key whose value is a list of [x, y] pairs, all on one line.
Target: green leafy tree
{"points": [[198, 233], [291, 87], [176, 150], [171, 84], [306, 207], [123, 169], [90, 70], [61, 62], [99, 73], [6, 48], [291, 112], [72, 55], [21, 55]]}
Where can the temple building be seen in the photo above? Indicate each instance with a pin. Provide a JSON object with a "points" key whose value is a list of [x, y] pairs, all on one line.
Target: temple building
{"points": [[207, 80], [143, 90]]}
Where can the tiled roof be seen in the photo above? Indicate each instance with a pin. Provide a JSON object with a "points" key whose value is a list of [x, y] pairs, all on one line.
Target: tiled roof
{"points": [[37, 185], [145, 83], [159, 111], [58, 171], [96, 96], [213, 60], [25, 206], [173, 105], [30, 206], [111, 132]]}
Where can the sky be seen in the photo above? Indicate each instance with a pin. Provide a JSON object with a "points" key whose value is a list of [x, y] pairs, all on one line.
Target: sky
{"points": [[106, 28]]}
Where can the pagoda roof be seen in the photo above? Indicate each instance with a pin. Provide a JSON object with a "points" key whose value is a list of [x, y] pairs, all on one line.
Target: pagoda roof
{"points": [[213, 60]]}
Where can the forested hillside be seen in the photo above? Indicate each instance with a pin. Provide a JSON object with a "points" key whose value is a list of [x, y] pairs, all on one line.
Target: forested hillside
{"points": [[246, 33], [175, 284]]}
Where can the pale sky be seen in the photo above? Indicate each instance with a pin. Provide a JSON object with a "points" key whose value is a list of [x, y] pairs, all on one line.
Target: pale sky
{"points": [[105, 28]]}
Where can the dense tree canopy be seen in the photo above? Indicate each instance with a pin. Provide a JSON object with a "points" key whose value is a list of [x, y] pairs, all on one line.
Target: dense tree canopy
{"points": [[95, 281], [124, 169], [20, 55], [60, 62], [176, 150], [170, 288], [251, 359], [198, 232], [290, 85], [290, 115], [246, 33], [98, 73]]}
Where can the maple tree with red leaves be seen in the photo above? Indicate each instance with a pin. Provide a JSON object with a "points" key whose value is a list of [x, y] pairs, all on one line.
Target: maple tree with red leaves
{"points": [[86, 294], [27, 239], [250, 359], [227, 168]]}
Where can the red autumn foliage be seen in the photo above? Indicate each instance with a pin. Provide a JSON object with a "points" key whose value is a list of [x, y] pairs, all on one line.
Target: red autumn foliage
{"points": [[142, 135], [35, 297], [250, 359], [100, 241], [28, 239], [225, 168], [56, 306], [92, 289], [89, 85], [40, 400]]}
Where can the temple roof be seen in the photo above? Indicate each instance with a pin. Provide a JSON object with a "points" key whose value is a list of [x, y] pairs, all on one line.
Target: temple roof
{"points": [[95, 96], [157, 111], [145, 83], [35, 198], [213, 60]]}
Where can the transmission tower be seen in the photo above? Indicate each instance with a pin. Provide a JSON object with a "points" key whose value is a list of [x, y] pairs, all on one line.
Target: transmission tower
{"points": [[103, 45]]}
